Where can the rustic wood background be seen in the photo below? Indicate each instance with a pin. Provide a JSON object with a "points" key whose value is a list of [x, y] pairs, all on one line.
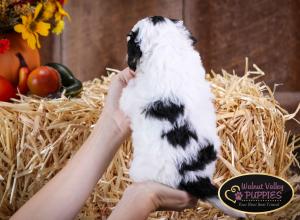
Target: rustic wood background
{"points": [[266, 31]]}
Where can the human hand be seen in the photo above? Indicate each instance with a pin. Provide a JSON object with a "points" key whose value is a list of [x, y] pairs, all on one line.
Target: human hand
{"points": [[111, 108], [159, 197]]}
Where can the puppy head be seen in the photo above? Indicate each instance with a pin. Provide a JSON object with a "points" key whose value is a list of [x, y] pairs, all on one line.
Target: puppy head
{"points": [[153, 31]]}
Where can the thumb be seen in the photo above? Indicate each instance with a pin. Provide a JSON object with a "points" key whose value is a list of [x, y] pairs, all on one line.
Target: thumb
{"points": [[126, 75]]}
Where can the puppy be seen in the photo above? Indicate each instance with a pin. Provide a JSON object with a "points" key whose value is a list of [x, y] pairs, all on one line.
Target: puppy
{"points": [[169, 103]]}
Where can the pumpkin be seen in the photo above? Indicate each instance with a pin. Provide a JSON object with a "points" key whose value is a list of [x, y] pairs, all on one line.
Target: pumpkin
{"points": [[9, 62]]}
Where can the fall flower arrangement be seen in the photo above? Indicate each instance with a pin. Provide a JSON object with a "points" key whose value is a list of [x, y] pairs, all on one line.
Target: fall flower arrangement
{"points": [[31, 18]]}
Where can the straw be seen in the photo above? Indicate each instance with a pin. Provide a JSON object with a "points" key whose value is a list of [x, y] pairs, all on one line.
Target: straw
{"points": [[38, 136]]}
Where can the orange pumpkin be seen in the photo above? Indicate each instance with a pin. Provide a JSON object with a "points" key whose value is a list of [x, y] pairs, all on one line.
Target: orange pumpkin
{"points": [[9, 62]]}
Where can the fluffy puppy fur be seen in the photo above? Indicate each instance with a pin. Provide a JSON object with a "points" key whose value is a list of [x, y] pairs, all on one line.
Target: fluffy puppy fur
{"points": [[169, 103]]}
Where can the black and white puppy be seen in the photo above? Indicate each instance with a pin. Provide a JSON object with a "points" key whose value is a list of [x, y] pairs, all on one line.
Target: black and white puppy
{"points": [[169, 103]]}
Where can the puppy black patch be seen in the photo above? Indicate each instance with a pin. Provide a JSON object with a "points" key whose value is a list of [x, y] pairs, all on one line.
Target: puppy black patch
{"points": [[157, 19], [133, 50], [164, 110], [174, 20], [194, 40], [202, 188], [180, 135], [205, 156]]}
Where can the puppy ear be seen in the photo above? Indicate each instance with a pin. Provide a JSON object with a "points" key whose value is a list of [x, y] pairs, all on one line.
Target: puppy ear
{"points": [[134, 52]]}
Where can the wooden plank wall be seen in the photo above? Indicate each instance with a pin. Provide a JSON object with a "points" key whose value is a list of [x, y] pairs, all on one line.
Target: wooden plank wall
{"points": [[96, 37], [258, 29], [266, 31]]}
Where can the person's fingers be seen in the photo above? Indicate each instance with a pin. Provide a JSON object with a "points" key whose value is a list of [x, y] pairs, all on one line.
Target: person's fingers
{"points": [[126, 75], [132, 72], [192, 202], [178, 204], [118, 82], [174, 199]]}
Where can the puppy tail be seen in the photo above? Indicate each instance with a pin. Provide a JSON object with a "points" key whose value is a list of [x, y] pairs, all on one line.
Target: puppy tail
{"points": [[203, 189], [215, 201]]}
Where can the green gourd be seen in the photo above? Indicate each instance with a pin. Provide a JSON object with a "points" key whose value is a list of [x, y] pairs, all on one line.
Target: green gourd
{"points": [[70, 83]]}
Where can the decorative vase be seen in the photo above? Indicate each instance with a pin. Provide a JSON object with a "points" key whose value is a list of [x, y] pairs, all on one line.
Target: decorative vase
{"points": [[9, 62]]}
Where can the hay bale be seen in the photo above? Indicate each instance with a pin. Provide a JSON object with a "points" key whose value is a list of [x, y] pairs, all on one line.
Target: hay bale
{"points": [[38, 136]]}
